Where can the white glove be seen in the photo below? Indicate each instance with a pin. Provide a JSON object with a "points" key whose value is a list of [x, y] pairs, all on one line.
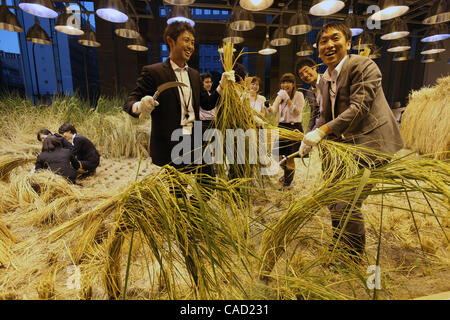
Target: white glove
{"points": [[145, 106], [304, 149], [283, 95], [313, 138], [227, 76]]}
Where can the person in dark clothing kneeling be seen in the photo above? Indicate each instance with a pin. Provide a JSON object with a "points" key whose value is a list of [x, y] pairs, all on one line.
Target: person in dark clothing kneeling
{"points": [[83, 149], [57, 159]]}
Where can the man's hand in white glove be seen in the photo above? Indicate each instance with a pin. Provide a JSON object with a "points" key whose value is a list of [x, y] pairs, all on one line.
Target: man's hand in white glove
{"points": [[313, 138], [226, 76], [304, 149], [283, 95], [145, 106]]}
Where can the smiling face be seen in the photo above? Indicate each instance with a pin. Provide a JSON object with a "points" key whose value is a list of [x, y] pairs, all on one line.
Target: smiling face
{"points": [[288, 86], [207, 84], [308, 74], [333, 47], [182, 48], [254, 86]]}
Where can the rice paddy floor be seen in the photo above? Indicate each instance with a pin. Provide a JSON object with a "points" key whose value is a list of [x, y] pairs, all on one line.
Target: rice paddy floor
{"points": [[38, 268]]}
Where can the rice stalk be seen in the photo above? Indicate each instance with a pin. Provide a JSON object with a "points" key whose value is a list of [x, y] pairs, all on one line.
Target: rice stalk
{"points": [[9, 162], [398, 176], [430, 135]]}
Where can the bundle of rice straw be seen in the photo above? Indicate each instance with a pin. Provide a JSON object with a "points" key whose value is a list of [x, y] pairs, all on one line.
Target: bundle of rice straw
{"points": [[425, 122]]}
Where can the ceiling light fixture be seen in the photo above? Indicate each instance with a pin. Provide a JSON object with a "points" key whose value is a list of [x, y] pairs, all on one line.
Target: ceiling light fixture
{"points": [[390, 9], [8, 20], [326, 7]]}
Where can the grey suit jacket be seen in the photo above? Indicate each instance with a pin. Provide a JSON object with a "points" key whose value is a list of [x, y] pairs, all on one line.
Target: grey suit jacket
{"points": [[363, 116]]}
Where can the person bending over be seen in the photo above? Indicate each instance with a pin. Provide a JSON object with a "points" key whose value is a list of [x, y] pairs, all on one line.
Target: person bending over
{"points": [[57, 159], [44, 133], [83, 149]]}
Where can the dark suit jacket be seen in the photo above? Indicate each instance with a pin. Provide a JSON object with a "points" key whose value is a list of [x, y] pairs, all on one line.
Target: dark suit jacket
{"points": [[61, 161], [363, 116], [86, 152], [65, 144], [167, 116]]}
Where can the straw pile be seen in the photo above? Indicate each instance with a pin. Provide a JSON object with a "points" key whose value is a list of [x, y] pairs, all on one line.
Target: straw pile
{"points": [[425, 122]]}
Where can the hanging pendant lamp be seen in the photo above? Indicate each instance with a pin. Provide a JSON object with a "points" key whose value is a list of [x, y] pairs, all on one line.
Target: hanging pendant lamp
{"points": [[396, 29], [36, 34], [266, 47], [138, 44], [8, 20], [181, 13], [306, 49], [437, 32], [398, 45], [390, 9], [112, 11], [299, 22], [439, 12], [433, 47], [88, 39], [40, 8], [428, 58], [255, 5], [127, 30], [233, 36], [69, 23], [401, 56], [326, 7], [242, 20]]}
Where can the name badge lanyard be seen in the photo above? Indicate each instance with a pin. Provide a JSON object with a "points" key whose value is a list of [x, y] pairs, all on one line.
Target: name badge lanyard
{"points": [[185, 104]]}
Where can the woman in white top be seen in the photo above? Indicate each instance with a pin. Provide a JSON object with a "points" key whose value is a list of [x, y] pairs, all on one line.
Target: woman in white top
{"points": [[289, 106], [256, 100]]}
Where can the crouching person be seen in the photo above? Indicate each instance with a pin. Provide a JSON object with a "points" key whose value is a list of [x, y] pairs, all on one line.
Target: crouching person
{"points": [[57, 159], [83, 149]]}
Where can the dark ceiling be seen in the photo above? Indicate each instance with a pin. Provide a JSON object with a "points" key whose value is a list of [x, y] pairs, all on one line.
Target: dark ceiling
{"points": [[414, 17]]}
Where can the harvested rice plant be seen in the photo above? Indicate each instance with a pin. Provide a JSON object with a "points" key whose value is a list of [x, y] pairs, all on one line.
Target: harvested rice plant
{"points": [[124, 235]]}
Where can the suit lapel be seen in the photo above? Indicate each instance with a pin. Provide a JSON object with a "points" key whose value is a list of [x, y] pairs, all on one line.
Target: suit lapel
{"points": [[195, 89], [342, 79], [325, 106]]}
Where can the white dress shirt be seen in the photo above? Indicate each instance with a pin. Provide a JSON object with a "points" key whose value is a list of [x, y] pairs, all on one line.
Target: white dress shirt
{"points": [[293, 113], [333, 77], [258, 104], [186, 97]]}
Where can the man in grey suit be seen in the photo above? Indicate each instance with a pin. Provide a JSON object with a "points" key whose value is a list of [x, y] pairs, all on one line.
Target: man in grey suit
{"points": [[354, 110]]}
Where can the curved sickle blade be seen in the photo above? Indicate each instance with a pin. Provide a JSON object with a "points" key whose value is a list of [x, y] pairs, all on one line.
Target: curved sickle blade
{"points": [[167, 85]]}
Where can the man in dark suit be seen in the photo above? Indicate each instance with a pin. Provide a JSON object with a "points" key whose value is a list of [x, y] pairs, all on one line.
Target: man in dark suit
{"points": [[176, 111], [176, 108], [354, 110], [83, 149]]}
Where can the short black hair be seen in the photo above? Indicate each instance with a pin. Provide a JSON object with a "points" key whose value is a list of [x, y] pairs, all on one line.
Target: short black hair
{"points": [[51, 143], [43, 131], [67, 127], [304, 62], [174, 29], [205, 75], [239, 72], [340, 26]]}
